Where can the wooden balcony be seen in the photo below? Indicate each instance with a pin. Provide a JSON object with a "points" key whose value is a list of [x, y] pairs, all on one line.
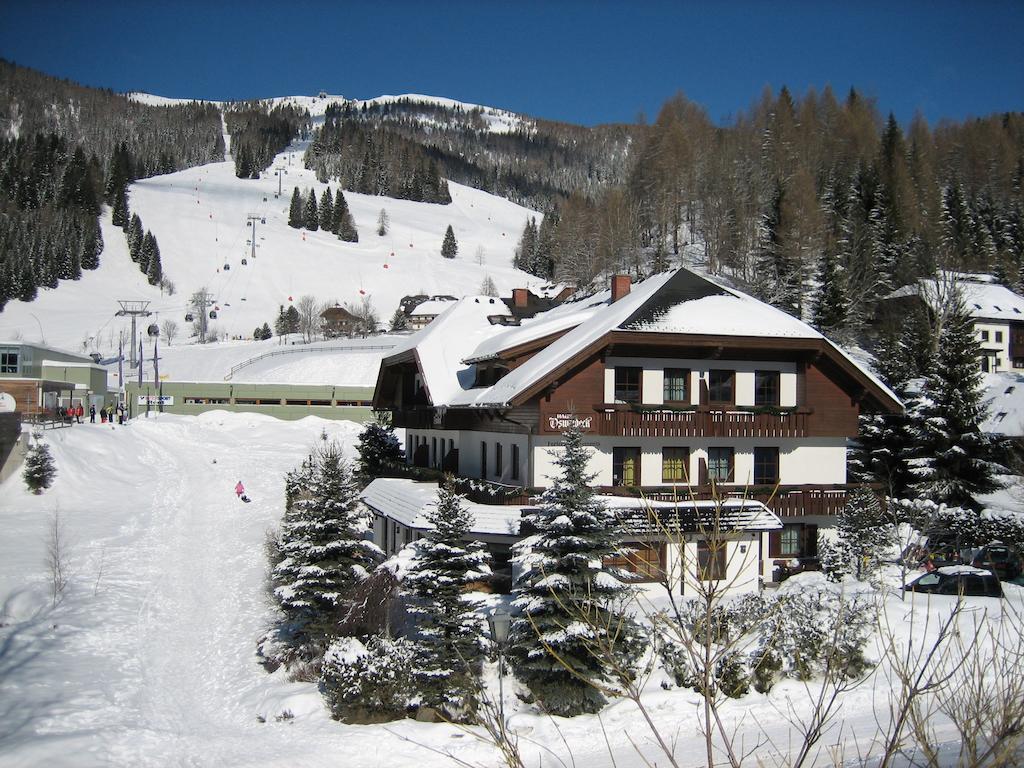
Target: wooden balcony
{"points": [[784, 501], [702, 422]]}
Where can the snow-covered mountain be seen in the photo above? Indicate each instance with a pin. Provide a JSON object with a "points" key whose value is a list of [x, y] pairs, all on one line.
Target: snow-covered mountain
{"points": [[200, 217]]}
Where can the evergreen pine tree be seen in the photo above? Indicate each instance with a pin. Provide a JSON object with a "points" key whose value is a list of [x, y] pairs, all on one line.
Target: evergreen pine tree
{"points": [[399, 321], [135, 236], [326, 210], [154, 269], [146, 251], [324, 553], [39, 469], [570, 535], [382, 222], [378, 448], [449, 247], [448, 631], [119, 213], [831, 304], [346, 226], [281, 323], [864, 532], [295, 210], [953, 461], [292, 320], [310, 218]]}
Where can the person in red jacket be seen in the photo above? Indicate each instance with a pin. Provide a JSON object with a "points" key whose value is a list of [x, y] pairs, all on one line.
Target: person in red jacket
{"points": [[79, 412]]}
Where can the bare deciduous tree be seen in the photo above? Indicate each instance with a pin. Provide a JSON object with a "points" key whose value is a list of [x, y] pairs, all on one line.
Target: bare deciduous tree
{"points": [[169, 328], [309, 316], [56, 557]]}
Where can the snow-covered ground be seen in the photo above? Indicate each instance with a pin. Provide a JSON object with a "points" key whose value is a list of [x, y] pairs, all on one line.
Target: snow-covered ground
{"points": [[149, 659]]}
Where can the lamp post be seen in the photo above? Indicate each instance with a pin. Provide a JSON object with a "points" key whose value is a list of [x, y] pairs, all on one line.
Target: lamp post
{"points": [[499, 623]]}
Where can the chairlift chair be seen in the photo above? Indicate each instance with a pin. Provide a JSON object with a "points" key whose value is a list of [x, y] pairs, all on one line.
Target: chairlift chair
{"points": [[189, 317], [244, 262], [213, 314], [227, 267]]}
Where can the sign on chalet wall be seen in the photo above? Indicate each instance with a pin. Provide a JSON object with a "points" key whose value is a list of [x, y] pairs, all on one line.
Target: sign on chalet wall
{"points": [[559, 422], [156, 400]]}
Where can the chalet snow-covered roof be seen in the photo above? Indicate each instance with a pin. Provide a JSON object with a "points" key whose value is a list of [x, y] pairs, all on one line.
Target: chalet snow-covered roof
{"points": [[984, 298], [409, 502], [431, 308], [441, 347], [1004, 393], [677, 302]]}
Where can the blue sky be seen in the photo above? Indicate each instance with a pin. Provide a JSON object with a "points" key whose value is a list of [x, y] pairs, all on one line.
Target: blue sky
{"points": [[580, 62]]}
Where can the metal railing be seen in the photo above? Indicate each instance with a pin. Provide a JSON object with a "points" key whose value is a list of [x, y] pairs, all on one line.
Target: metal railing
{"points": [[299, 349]]}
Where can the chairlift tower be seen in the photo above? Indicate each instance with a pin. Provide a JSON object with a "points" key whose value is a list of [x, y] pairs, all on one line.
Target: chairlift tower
{"points": [[253, 219], [279, 172], [133, 309]]}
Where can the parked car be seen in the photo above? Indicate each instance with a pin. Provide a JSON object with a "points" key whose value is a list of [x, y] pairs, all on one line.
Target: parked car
{"points": [[1001, 559], [958, 580]]}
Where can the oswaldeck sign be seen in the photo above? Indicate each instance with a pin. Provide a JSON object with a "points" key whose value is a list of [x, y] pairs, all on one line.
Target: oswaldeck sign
{"points": [[559, 422], [156, 400]]}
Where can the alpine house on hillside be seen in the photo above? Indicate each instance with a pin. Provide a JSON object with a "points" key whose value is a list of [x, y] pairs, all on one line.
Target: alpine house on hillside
{"points": [[683, 388]]}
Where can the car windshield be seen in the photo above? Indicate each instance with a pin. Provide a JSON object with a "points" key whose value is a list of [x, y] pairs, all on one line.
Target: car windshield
{"points": [[928, 580]]}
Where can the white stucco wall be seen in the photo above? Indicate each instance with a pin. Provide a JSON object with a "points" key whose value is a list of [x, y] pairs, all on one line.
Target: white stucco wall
{"points": [[998, 351], [653, 378], [742, 560], [801, 461]]}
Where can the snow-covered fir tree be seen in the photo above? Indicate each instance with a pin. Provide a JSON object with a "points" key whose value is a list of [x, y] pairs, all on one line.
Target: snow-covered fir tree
{"points": [[449, 248], [399, 321], [39, 469], [324, 553], [295, 210], [952, 460], [864, 532], [569, 536], [344, 225], [382, 222], [326, 210], [310, 217], [448, 631], [378, 447]]}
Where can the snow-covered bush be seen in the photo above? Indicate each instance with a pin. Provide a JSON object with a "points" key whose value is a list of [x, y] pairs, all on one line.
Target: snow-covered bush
{"points": [[39, 468], [813, 625], [378, 448], [369, 683]]}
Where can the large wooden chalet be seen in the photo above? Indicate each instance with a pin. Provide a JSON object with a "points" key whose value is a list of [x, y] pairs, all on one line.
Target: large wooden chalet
{"points": [[679, 383]]}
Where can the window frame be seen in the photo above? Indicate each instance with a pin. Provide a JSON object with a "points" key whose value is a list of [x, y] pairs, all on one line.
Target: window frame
{"points": [[730, 378], [619, 389], [498, 460], [619, 457], [725, 451], [791, 541], [675, 374], [515, 461], [483, 459], [6, 363], [683, 458], [760, 463], [712, 565], [775, 389]]}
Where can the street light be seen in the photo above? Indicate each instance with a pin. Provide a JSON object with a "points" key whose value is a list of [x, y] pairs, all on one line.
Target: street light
{"points": [[499, 623]]}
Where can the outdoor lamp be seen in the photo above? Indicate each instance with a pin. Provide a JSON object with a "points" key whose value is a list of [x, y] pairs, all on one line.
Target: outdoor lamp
{"points": [[499, 622]]}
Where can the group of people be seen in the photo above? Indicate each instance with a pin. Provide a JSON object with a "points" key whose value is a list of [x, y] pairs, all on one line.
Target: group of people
{"points": [[73, 414]]}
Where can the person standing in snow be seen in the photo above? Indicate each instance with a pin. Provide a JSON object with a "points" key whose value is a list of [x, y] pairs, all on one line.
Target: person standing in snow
{"points": [[79, 412], [239, 489], [92, 414]]}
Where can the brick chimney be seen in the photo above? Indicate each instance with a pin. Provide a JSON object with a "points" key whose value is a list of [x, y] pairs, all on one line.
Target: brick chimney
{"points": [[620, 286], [519, 298]]}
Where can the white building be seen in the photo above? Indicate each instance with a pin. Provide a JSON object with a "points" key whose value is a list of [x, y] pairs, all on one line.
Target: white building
{"points": [[682, 387], [998, 315]]}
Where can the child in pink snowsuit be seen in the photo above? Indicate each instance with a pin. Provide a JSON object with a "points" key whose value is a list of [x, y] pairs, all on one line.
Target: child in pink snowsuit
{"points": [[239, 489]]}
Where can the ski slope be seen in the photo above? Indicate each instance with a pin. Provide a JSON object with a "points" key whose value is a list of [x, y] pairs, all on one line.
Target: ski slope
{"points": [[200, 219]]}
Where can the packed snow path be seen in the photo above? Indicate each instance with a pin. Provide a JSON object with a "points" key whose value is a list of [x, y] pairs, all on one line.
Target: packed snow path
{"points": [[149, 659]]}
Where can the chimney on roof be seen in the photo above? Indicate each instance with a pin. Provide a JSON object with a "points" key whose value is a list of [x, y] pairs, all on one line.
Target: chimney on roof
{"points": [[519, 297], [620, 286]]}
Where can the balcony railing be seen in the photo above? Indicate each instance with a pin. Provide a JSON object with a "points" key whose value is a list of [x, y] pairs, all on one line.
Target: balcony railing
{"points": [[702, 423], [784, 501]]}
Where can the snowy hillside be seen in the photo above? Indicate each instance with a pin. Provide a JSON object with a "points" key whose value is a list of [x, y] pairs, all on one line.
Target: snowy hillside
{"points": [[199, 217], [497, 120]]}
